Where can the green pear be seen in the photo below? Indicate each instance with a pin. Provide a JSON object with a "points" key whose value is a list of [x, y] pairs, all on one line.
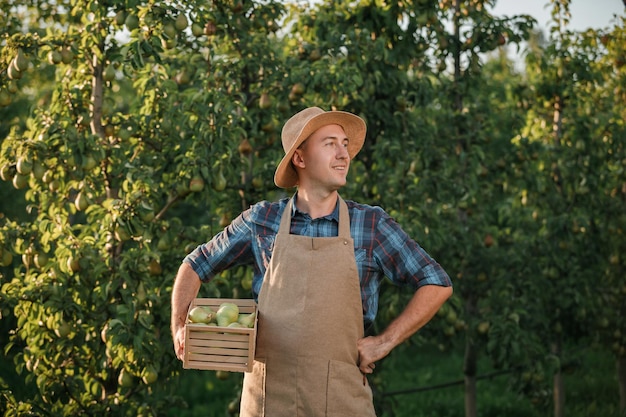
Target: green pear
{"points": [[181, 22], [21, 61], [247, 319], [200, 315], [227, 314], [219, 182], [265, 101]]}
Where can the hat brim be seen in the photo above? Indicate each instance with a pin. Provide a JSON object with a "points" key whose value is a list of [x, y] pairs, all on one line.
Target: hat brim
{"points": [[354, 127]]}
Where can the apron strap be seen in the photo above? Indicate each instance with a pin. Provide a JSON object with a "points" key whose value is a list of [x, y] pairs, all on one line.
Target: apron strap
{"points": [[285, 221], [344, 220]]}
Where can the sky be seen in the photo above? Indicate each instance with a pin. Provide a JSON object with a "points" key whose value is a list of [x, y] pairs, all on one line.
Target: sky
{"points": [[586, 14]]}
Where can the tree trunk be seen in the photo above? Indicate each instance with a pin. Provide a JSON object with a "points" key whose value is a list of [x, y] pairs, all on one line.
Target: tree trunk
{"points": [[557, 119], [470, 364], [558, 384], [469, 371], [470, 360], [621, 381]]}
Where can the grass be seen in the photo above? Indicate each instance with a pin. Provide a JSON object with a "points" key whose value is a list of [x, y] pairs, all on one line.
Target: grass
{"points": [[410, 372], [424, 382], [205, 394]]}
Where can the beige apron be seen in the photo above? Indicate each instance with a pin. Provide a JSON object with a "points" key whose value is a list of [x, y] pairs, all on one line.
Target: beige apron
{"points": [[310, 318]]}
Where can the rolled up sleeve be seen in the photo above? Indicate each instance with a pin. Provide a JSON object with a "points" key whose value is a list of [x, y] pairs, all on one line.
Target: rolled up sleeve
{"points": [[403, 260]]}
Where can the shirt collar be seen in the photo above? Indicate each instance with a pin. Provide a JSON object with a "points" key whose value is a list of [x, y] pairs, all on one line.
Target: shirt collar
{"points": [[332, 216]]}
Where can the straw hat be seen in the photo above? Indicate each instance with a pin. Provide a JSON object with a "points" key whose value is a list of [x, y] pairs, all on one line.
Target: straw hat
{"points": [[304, 124]]}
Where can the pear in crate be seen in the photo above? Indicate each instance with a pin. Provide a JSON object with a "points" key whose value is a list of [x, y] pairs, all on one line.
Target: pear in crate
{"points": [[201, 315], [247, 319], [227, 313]]}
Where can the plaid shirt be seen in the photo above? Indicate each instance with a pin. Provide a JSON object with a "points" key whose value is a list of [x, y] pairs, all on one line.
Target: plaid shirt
{"points": [[381, 248]]}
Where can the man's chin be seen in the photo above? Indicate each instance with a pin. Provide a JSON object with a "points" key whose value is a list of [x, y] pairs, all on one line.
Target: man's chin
{"points": [[339, 184]]}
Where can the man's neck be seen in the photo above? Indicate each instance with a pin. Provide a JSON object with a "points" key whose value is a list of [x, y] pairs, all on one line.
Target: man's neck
{"points": [[316, 205]]}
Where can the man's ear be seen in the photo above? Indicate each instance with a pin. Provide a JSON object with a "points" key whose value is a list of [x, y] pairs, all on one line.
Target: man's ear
{"points": [[297, 160]]}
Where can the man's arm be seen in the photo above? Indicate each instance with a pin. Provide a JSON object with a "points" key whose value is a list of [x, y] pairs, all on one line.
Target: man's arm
{"points": [[420, 309], [186, 287]]}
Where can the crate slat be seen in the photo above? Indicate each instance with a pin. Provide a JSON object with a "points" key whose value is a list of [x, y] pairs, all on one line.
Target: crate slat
{"points": [[217, 343], [219, 358], [215, 366], [212, 351]]}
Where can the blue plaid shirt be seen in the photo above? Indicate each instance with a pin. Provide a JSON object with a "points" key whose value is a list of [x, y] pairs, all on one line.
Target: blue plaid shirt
{"points": [[381, 248]]}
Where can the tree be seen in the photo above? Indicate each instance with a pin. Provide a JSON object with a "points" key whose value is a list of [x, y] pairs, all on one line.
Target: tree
{"points": [[146, 121], [573, 179], [607, 127]]}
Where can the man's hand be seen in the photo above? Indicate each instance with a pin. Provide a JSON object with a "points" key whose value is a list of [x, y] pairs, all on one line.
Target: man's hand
{"points": [[179, 343], [371, 349]]}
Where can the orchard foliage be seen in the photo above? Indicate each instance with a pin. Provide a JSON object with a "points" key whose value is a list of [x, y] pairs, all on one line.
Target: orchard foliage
{"points": [[142, 144], [133, 131]]}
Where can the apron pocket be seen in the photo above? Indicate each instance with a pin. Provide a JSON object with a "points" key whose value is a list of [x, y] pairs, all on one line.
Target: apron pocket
{"points": [[253, 392], [347, 396]]}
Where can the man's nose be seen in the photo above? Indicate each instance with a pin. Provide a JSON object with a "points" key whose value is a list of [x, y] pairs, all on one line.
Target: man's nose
{"points": [[342, 152]]}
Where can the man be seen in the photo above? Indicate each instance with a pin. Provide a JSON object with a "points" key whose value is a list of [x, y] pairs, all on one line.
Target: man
{"points": [[318, 263]]}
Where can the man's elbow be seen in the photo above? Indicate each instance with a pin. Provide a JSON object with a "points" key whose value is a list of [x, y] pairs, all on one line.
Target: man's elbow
{"points": [[444, 293]]}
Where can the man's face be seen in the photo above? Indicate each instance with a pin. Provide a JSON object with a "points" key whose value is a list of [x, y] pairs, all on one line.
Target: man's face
{"points": [[323, 160]]}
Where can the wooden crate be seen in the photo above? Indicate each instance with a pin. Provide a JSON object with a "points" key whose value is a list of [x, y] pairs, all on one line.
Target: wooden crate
{"points": [[210, 347]]}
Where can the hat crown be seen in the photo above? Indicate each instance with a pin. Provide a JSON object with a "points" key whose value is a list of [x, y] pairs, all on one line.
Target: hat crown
{"points": [[294, 126]]}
